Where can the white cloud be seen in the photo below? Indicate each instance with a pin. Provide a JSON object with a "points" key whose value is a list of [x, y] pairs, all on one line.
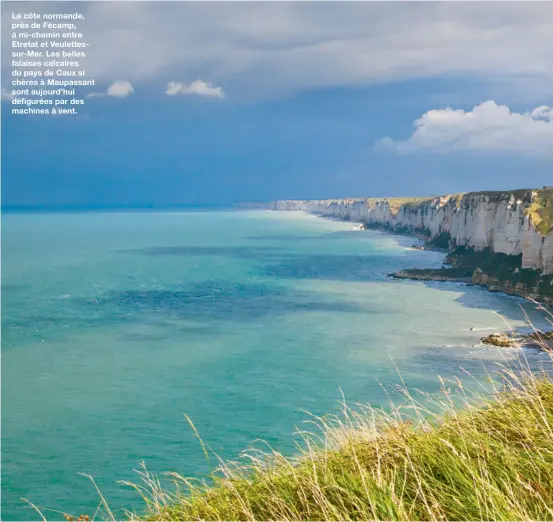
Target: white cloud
{"points": [[543, 113], [266, 49], [487, 127], [118, 89], [198, 88]]}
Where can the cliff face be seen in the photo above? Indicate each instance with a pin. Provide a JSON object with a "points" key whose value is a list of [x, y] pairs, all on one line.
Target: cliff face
{"points": [[510, 223], [505, 222]]}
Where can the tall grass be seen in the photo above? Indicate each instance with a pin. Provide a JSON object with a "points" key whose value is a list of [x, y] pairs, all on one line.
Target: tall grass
{"points": [[491, 461], [464, 455], [483, 459]]}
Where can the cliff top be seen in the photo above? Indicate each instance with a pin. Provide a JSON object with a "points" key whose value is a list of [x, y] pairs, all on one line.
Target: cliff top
{"points": [[541, 211], [539, 203]]}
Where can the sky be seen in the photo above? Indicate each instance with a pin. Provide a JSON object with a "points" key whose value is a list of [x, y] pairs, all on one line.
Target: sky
{"points": [[215, 103]]}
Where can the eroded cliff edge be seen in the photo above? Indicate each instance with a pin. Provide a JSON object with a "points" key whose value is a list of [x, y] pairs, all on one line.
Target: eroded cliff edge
{"points": [[502, 240]]}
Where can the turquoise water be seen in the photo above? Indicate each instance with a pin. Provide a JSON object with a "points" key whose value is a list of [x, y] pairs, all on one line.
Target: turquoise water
{"points": [[116, 325]]}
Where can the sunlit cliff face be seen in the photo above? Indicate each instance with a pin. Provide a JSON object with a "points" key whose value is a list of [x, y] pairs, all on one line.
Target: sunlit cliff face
{"points": [[506, 222]]}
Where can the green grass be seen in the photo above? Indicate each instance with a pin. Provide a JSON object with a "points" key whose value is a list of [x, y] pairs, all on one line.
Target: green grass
{"points": [[482, 453], [541, 211], [396, 204], [411, 203], [540, 203], [461, 457]]}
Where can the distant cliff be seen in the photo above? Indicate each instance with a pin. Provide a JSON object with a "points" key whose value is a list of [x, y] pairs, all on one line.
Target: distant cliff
{"points": [[504, 238]]}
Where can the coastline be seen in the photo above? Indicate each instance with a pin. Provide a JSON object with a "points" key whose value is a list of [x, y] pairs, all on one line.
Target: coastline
{"points": [[319, 329], [501, 240], [270, 487], [507, 338], [288, 292]]}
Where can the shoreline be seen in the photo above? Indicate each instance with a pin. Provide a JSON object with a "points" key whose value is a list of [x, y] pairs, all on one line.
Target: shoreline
{"points": [[507, 338], [444, 275], [460, 267], [505, 238], [540, 340]]}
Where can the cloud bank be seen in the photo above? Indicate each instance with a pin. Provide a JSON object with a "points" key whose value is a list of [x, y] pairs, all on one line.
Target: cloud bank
{"points": [[488, 127], [267, 49], [197, 88]]}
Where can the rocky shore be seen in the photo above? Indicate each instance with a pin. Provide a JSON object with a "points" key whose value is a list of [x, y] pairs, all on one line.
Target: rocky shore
{"points": [[434, 274], [500, 240], [542, 340]]}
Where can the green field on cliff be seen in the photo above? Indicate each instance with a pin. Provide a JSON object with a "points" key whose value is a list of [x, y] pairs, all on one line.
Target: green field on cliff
{"points": [[461, 456]]}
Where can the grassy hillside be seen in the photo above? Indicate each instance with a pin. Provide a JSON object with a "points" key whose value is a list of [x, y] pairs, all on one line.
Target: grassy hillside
{"points": [[478, 459]]}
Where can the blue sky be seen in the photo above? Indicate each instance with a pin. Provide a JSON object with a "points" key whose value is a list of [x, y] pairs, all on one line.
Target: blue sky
{"points": [[216, 103]]}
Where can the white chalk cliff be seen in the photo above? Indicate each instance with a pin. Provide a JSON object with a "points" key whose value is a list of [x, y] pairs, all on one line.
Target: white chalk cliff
{"points": [[512, 222], [501, 221]]}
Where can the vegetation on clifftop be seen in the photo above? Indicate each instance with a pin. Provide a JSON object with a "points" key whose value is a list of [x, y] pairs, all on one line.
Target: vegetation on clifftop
{"points": [[540, 203], [459, 455], [490, 460], [541, 211], [396, 204]]}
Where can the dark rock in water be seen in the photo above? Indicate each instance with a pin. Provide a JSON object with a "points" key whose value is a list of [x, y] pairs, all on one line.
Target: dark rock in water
{"points": [[538, 339], [541, 336], [502, 340], [433, 274], [514, 259]]}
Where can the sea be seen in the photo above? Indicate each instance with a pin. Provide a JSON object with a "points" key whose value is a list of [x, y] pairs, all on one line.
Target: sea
{"points": [[118, 325]]}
